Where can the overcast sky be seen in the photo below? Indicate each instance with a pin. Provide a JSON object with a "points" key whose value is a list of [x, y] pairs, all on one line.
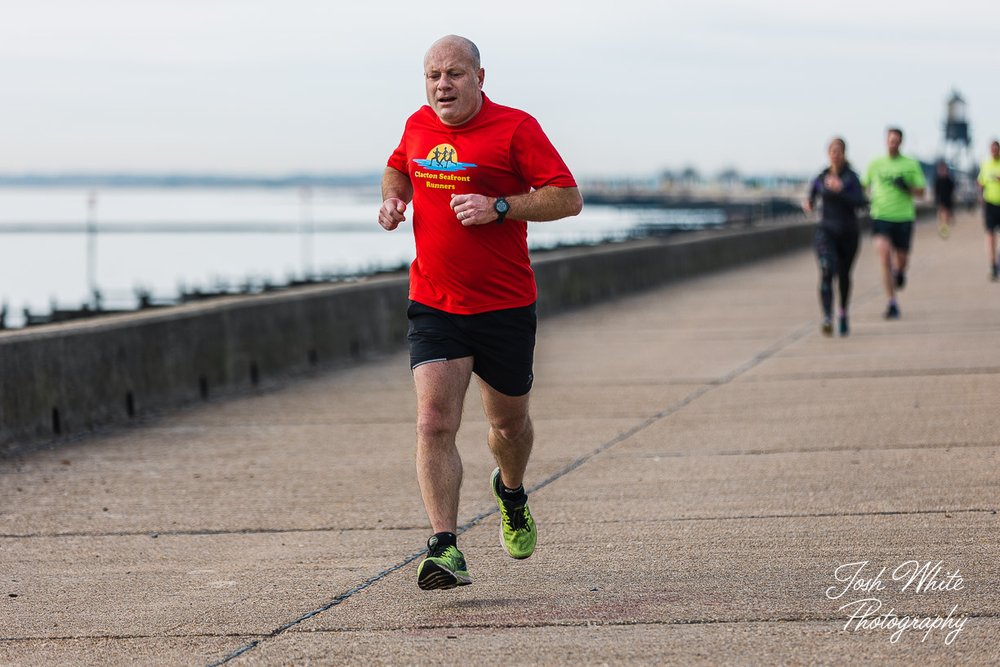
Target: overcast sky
{"points": [[622, 88]]}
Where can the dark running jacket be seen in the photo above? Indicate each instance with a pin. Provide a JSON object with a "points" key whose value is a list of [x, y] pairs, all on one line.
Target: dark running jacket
{"points": [[839, 208]]}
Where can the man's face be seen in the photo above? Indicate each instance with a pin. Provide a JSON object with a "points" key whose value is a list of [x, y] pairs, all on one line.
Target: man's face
{"points": [[453, 83], [893, 140], [995, 150]]}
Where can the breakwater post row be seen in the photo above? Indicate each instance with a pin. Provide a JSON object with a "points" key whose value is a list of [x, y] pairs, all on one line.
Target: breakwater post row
{"points": [[69, 379]]}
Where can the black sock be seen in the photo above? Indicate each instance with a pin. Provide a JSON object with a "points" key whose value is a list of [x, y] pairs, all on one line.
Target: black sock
{"points": [[513, 495], [443, 540]]}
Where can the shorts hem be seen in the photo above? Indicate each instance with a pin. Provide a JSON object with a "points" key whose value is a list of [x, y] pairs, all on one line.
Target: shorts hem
{"points": [[428, 361]]}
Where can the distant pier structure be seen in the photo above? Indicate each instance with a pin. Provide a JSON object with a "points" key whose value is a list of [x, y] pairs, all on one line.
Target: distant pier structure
{"points": [[957, 151]]}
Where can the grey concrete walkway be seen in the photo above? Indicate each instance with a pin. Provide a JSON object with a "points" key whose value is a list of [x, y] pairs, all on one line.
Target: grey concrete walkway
{"points": [[706, 462]]}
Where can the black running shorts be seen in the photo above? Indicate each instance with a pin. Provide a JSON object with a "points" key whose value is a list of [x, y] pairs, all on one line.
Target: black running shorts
{"points": [[991, 217], [900, 234], [501, 343]]}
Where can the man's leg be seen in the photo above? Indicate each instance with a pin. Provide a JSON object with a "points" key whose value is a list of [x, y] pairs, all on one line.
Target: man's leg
{"points": [[944, 221], [511, 437], [441, 387], [511, 433], [902, 258], [991, 251], [883, 250]]}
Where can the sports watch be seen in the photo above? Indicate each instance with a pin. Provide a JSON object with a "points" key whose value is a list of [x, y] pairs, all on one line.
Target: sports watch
{"points": [[501, 207]]}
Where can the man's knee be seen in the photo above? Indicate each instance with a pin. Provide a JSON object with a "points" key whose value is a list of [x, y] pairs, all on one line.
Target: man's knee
{"points": [[435, 423], [883, 247], [512, 427]]}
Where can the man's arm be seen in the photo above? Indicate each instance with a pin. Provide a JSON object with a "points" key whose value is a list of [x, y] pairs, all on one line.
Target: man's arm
{"points": [[397, 191], [919, 188], [542, 205]]}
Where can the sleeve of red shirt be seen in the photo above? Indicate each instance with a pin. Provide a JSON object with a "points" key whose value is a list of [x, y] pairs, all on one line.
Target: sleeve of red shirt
{"points": [[398, 158], [536, 158]]}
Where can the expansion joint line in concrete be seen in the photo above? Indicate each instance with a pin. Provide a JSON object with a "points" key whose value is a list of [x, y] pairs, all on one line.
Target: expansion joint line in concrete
{"points": [[319, 610], [836, 515], [125, 637], [800, 618], [761, 620], [208, 532], [759, 358], [947, 513]]}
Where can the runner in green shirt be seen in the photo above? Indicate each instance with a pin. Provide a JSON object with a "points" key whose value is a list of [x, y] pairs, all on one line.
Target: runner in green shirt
{"points": [[893, 181], [989, 182]]}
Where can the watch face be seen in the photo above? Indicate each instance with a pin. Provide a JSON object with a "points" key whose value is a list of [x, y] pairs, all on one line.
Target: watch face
{"points": [[502, 206]]}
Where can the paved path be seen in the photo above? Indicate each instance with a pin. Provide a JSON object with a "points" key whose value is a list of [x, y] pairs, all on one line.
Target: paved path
{"points": [[705, 462]]}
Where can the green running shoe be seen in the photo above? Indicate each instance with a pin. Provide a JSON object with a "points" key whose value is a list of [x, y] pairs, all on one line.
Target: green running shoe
{"points": [[517, 528], [443, 568]]}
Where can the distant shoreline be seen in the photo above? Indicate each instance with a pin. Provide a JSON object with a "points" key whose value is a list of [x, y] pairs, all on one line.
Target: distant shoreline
{"points": [[118, 180]]}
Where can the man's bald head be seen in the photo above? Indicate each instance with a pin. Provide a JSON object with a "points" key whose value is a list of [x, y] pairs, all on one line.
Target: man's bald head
{"points": [[453, 79], [457, 42]]}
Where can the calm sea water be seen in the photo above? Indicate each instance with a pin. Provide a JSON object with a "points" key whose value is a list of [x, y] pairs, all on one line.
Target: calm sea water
{"points": [[164, 240]]}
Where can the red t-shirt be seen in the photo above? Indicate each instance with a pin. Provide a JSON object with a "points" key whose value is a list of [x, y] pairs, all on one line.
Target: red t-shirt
{"points": [[499, 152]]}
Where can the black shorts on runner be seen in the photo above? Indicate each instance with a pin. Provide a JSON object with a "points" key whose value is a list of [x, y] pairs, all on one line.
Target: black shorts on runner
{"points": [[900, 234], [501, 343], [991, 217]]}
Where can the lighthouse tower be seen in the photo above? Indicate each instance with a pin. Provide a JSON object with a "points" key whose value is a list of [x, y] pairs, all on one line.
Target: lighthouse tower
{"points": [[957, 140]]}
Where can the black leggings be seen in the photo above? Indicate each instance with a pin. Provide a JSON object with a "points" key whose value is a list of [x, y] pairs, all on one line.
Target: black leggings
{"points": [[835, 250]]}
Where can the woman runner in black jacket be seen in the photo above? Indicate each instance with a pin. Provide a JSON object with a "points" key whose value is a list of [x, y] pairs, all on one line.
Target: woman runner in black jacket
{"points": [[839, 189]]}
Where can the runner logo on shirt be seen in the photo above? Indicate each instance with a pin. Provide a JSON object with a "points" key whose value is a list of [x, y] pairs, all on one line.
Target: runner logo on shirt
{"points": [[443, 157]]}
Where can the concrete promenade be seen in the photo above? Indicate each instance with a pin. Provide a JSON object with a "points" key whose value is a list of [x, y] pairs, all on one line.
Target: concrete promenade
{"points": [[705, 462]]}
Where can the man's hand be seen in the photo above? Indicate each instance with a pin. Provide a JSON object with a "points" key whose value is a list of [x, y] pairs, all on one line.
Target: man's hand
{"points": [[392, 213], [473, 209], [901, 183]]}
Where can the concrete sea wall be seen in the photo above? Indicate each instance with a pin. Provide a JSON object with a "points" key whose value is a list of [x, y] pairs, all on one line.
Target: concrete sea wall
{"points": [[62, 380]]}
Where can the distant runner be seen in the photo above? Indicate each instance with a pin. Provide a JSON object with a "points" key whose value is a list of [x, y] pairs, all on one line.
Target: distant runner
{"points": [[893, 181], [944, 198], [839, 190], [989, 183]]}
